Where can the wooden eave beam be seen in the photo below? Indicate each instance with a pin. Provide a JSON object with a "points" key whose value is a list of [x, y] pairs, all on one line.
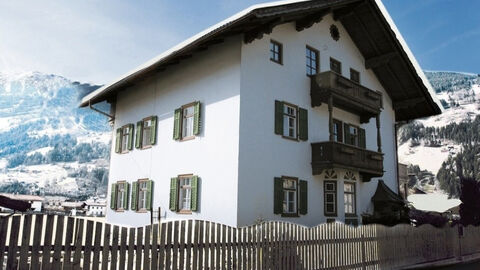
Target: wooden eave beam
{"points": [[407, 103], [346, 11], [380, 60], [258, 32], [308, 21]]}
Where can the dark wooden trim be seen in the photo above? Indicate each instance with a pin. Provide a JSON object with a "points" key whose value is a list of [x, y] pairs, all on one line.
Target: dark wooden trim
{"points": [[317, 62], [352, 71], [280, 51], [335, 214], [310, 20], [408, 103], [296, 214], [332, 60], [380, 60], [258, 32]]}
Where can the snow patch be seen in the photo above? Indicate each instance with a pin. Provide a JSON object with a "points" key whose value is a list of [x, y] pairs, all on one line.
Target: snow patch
{"points": [[43, 151], [437, 202]]}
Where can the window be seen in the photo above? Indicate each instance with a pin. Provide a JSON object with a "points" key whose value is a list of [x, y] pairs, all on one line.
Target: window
{"points": [[289, 196], [349, 198], [335, 66], [142, 195], [146, 133], [184, 193], [330, 192], [353, 135], [119, 196], [337, 131], [276, 52], [187, 121], [290, 121], [354, 75], [312, 61], [124, 139]]}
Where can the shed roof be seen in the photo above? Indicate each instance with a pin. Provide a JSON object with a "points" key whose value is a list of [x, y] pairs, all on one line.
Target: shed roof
{"points": [[367, 22], [385, 194]]}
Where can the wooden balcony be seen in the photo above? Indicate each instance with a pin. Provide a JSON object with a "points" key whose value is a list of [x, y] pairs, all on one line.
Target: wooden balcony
{"points": [[346, 94], [328, 155]]}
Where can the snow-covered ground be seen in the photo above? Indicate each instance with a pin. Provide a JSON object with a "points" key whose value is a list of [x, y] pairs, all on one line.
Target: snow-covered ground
{"points": [[43, 151], [428, 158], [437, 202]]}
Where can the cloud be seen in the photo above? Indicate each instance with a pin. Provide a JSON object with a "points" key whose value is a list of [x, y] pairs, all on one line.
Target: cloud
{"points": [[451, 41]]}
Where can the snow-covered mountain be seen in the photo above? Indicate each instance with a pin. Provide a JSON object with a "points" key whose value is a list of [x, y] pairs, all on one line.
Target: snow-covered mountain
{"points": [[434, 143], [48, 144]]}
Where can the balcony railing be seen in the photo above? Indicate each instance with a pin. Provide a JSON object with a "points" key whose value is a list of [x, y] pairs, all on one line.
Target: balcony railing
{"points": [[346, 94], [328, 155]]}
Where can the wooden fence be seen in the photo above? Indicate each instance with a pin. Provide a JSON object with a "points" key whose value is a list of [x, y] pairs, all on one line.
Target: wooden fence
{"points": [[58, 242]]}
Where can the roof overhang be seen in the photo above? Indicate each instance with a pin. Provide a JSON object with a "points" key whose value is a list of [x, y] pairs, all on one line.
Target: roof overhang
{"points": [[367, 22]]}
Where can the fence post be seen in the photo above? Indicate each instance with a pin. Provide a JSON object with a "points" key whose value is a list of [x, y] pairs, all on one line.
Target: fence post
{"points": [[460, 235], [364, 263]]}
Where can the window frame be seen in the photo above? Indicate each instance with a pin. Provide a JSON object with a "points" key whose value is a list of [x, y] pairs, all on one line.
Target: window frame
{"points": [[354, 71], [272, 52], [142, 209], [182, 117], [284, 114], [120, 196], [357, 142], [332, 61], [309, 60], [123, 140], [354, 197], [335, 196], [292, 214], [179, 178], [143, 146], [336, 136]]}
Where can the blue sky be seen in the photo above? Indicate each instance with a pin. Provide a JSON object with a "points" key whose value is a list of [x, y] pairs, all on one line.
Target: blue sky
{"points": [[97, 41]]}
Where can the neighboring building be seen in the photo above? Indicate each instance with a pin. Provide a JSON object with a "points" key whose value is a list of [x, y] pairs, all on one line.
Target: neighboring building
{"points": [[403, 180], [74, 208], [285, 111], [35, 201], [96, 207]]}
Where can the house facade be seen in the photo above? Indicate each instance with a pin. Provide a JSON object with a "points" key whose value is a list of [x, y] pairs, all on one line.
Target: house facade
{"points": [[285, 111]]}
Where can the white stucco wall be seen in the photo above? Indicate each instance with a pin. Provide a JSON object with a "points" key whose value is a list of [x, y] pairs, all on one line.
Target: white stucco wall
{"points": [[264, 155], [213, 78]]}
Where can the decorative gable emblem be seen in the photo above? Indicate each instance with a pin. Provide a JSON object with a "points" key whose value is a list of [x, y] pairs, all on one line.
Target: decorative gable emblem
{"points": [[334, 32], [349, 176], [330, 174]]}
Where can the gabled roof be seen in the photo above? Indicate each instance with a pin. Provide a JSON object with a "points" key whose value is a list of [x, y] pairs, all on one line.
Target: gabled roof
{"points": [[367, 22], [385, 194]]}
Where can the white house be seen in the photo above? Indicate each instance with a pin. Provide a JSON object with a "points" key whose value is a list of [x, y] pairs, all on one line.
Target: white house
{"points": [[284, 111], [36, 202], [96, 207]]}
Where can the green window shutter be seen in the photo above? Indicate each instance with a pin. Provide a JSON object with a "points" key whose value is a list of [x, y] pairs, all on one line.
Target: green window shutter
{"points": [[346, 130], [278, 117], [149, 194], [173, 193], [134, 195], [303, 197], [138, 135], [125, 196], [113, 197], [361, 138], [118, 141], [277, 195], [196, 118], [194, 198], [302, 124], [130, 136], [153, 132], [176, 124]]}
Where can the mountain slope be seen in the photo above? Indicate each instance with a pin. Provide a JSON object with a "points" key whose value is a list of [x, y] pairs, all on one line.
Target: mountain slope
{"points": [[47, 144], [441, 142]]}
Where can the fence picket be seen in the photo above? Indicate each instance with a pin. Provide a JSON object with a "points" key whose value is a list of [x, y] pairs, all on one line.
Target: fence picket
{"points": [[88, 246], [97, 245], [57, 249], [106, 246], [115, 247], [196, 242], [188, 258], [27, 226], [78, 245], [138, 251], [154, 263], [131, 248], [123, 249], [168, 246], [161, 250], [147, 248], [13, 243]]}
